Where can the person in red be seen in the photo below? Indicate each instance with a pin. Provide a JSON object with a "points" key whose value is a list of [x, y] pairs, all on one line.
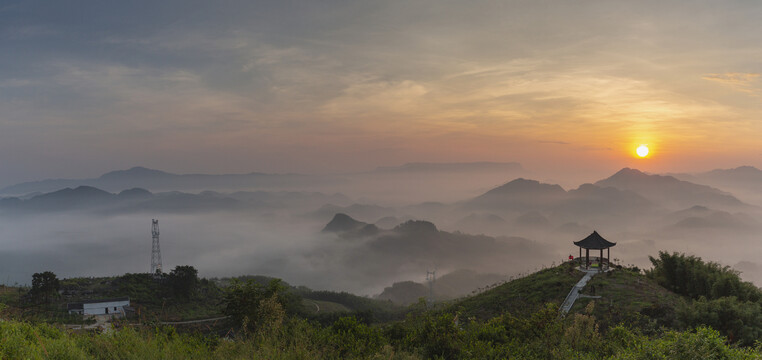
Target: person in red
{"points": [[571, 257]]}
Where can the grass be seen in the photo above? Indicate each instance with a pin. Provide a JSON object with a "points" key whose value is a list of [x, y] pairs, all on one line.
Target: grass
{"points": [[324, 306], [523, 295], [624, 294]]}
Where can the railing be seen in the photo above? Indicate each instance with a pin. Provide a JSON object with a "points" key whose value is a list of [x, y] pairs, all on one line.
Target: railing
{"points": [[592, 261]]}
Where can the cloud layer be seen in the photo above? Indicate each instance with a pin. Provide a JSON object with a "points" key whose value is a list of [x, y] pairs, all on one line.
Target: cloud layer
{"points": [[314, 86]]}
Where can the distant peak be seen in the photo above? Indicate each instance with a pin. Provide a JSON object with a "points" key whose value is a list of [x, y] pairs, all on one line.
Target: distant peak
{"points": [[342, 222], [630, 172], [83, 191], [134, 171], [88, 189], [417, 226], [524, 185], [138, 169], [627, 175], [135, 192]]}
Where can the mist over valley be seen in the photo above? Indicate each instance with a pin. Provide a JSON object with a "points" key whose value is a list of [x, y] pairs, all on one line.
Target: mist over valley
{"points": [[374, 233]]}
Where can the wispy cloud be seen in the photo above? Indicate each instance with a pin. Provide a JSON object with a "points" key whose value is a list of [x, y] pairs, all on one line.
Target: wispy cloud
{"points": [[743, 82]]}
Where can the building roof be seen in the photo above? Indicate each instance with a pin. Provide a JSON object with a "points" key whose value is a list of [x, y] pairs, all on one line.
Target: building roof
{"points": [[594, 241], [80, 305]]}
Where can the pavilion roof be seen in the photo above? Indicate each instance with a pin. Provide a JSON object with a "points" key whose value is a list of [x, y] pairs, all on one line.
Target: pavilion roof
{"points": [[594, 241]]}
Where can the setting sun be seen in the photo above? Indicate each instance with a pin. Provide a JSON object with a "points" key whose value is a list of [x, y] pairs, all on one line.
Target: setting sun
{"points": [[642, 150]]}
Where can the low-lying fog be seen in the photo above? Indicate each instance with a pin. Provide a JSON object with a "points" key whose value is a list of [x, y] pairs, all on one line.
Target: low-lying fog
{"points": [[225, 244], [512, 229]]}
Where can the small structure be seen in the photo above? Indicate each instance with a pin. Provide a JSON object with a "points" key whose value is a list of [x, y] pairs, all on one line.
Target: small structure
{"points": [[155, 249], [595, 242], [114, 307]]}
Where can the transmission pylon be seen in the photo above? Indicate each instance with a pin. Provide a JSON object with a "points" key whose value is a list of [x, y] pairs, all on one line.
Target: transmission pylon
{"points": [[431, 277], [155, 250]]}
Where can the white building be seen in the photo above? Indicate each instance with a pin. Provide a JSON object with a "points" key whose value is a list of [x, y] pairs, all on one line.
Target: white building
{"points": [[113, 306]]}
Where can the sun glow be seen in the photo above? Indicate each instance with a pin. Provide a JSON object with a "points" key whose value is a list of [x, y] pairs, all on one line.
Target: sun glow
{"points": [[642, 150]]}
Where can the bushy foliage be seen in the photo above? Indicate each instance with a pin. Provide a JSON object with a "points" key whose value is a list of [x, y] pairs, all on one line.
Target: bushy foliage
{"points": [[692, 277], [348, 337], [45, 285], [183, 280], [440, 335], [721, 299], [740, 321], [702, 343], [254, 307], [436, 336], [268, 316]]}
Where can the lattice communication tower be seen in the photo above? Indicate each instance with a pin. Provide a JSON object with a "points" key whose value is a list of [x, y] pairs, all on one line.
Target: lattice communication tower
{"points": [[155, 251], [431, 277]]}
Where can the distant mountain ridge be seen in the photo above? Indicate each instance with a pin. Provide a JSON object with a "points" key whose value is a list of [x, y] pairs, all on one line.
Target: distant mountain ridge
{"points": [[452, 167], [157, 180], [97, 201], [421, 243], [628, 194], [520, 194], [668, 190], [744, 181]]}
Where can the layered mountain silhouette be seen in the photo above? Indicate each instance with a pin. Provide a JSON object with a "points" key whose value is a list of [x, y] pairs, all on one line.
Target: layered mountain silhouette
{"points": [[743, 181], [420, 244], [624, 199], [629, 190], [519, 195], [701, 217], [94, 200], [669, 191], [590, 201], [532, 198], [156, 180], [742, 176], [66, 199]]}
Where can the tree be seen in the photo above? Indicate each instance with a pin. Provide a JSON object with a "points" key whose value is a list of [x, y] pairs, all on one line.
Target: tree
{"points": [[183, 280], [44, 286], [253, 306]]}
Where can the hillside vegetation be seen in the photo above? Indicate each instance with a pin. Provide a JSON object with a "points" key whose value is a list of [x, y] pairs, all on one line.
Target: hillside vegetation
{"points": [[522, 295], [682, 308]]}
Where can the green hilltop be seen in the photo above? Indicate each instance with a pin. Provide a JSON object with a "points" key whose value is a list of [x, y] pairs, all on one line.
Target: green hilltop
{"points": [[624, 294]]}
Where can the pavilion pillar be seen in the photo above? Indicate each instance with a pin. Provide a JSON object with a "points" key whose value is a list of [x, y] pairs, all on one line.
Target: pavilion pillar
{"points": [[600, 262], [587, 258], [579, 259], [608, 256]]}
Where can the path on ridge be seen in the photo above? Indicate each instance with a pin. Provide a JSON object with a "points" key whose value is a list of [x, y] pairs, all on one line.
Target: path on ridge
{"points": [[574, 293]]}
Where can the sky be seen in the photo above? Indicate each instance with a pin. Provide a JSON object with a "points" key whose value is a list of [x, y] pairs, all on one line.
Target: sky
{"points": [[563, 87]]}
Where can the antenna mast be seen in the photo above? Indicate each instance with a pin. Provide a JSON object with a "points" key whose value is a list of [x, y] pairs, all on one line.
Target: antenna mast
{"points": [[155, 250]]}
